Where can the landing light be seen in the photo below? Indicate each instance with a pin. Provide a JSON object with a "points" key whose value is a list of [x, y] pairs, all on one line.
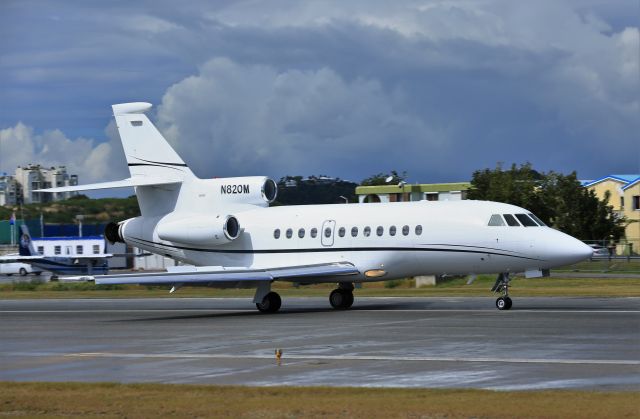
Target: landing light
{"points": [[375, 273]]}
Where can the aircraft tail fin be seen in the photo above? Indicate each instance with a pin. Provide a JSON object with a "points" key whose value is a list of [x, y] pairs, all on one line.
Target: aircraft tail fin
{"points": [[157, 171], [26, 247], [147, 152]]}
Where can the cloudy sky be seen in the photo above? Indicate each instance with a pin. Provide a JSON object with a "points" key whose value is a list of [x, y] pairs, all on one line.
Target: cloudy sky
{"points": [[344, 88]]}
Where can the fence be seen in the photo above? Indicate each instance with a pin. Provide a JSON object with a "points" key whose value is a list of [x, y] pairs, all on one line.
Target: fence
{"points": [[46, 230]]}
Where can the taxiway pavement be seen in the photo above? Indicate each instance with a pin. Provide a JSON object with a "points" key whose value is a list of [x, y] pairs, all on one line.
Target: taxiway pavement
{"points": [[542, 343]]}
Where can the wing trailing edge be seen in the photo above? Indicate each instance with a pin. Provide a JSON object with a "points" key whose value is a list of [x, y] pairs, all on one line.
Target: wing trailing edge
{"points": [[213, 274], [125, 183]]}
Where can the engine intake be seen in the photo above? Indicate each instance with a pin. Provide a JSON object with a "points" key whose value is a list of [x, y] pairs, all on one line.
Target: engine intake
{"points": [[113, 233]]}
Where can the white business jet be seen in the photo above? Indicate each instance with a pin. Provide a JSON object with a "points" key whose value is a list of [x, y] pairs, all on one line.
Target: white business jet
{"points": [[226, 229]]}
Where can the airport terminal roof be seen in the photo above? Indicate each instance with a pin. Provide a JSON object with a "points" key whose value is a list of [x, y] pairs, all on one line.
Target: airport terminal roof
{"points": [[423, 188], [619, 178]]}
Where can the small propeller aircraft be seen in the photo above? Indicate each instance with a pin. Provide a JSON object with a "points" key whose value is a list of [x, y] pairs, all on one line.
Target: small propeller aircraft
{"points": [[226, 229]]}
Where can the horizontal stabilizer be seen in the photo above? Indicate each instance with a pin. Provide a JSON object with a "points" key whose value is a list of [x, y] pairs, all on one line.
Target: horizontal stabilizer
{"points": [[211, 275], [125, 183]]}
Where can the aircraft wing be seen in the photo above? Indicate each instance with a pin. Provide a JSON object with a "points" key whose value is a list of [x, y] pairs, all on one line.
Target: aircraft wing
{"points": [[27, 259], [125, 183], [210, 275]]}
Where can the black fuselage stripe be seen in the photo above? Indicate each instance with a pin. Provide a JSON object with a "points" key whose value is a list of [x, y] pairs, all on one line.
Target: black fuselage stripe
{"points": [[161, 162], [156, 165], [327, 249]]}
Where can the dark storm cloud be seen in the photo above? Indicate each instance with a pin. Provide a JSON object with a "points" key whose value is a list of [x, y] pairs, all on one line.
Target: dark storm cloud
{"points": [[438, 88]]}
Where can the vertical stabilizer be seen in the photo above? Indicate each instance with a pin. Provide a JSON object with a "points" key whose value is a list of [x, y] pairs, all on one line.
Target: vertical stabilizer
{"points": [[26, 247], [146, 150]]}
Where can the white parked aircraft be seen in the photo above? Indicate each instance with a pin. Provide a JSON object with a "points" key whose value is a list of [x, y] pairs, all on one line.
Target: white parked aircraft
{"points": [[226, 228]]}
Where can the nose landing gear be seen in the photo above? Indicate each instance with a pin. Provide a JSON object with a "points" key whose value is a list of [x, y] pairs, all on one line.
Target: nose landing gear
{"points": [[502, 285]]}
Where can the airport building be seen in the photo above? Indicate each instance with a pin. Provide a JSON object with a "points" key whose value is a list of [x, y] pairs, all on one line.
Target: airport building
{"points": [[403, 192], [34, 177], [70, 246], [19, 189], [9, 190], [624, 196]]}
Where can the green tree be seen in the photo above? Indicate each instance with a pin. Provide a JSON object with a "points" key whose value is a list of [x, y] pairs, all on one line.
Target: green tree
{"points": [[381, 179], [559, 200]]}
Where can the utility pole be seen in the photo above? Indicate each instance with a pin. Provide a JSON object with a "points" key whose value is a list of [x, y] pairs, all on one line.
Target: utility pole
{"points": [[79, 218]]}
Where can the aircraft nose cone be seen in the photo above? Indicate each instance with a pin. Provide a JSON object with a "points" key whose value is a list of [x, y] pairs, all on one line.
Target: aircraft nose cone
{"points": [[575, 251], [583, 251]]}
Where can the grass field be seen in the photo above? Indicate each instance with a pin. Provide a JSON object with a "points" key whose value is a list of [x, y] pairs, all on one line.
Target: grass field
{"points": [[75, 400], [521, 287], [604, 265]]}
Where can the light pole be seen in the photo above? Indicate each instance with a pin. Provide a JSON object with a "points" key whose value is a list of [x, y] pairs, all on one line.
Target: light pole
{"points": [[79, 219]]}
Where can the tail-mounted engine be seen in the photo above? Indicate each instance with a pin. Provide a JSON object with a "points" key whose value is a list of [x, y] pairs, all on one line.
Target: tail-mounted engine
{"points": [[199, 229]]}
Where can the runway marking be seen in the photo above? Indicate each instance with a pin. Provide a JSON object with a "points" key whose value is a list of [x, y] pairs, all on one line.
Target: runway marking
{"points": [[357, 358], [310, 310]]}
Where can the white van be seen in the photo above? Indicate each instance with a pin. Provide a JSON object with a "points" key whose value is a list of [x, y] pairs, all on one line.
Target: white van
{"points": [[17, 268]]}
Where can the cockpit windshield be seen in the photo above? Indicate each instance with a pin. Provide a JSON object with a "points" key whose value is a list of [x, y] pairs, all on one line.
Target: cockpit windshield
{"points": [[515, 220]]}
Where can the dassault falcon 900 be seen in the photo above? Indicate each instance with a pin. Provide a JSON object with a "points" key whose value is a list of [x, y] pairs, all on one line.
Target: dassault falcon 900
{"points": [[230, 235]]}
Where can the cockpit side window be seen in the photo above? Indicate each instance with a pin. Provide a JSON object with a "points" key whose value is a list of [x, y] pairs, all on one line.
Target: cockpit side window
{"points": [[526, 221], [496, 220], [511, 221], [537, 220]]}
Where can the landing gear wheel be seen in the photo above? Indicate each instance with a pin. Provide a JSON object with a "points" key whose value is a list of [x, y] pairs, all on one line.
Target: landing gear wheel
{"points": [[270, 303], [23, 272], [503, 303], [341, 299]]}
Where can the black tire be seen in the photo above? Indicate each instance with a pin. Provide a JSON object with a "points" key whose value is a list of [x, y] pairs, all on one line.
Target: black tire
{"points": [[350, 299], [341, 299], [270, 303], [23, 272], [509, 303], [38, 273]]}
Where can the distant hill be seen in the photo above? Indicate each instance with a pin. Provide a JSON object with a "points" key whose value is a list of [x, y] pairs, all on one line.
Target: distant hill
{"points": [[94, 210]]}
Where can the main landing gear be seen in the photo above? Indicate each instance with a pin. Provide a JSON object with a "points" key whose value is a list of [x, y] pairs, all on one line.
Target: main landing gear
{"points": [[502, 285], [270, 303], [341, 298]]}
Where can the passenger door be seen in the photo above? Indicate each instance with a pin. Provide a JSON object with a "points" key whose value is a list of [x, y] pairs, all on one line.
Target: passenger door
{"points": [[328, 228]]}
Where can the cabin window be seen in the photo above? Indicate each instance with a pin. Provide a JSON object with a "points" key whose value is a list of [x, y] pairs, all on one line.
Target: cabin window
{"points": [[96, 248], [327, 232], [380, 230], [341, 232], [289, 233], [526, 221], [496, 220], [392, 230], [405, 230], [136, 123], [537, 220], [41, 250], [301, 233], [418, 230], [367, 231], [314, 233], [57, 250], [354, 232], [511, 221], [79, 249], [276, 233]]}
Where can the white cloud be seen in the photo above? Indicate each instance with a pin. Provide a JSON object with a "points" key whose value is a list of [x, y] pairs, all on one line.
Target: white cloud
{"points": [[20, 145], [435, 87], [232, 119]]}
